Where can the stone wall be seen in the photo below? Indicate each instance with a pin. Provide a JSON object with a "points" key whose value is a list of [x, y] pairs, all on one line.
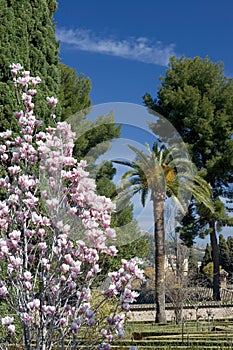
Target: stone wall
{"points": [[147, 313]]}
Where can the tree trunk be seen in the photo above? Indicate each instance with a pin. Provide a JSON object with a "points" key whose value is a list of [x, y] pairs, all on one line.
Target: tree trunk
{"points": [[178, 314], [159, 236], [215, 257], [26, 336]]}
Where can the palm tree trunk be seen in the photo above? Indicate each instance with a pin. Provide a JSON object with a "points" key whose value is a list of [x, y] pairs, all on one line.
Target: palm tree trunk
{"points": [[215, 257], [159, 236]]}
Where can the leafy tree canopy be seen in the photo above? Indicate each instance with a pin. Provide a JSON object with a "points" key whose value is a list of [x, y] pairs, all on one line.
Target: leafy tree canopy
{"points": [[197, 99], [74, 91]]}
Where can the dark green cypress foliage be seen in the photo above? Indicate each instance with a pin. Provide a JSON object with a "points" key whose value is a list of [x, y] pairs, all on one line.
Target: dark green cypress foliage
{"points": [[27, 36], [229, 267], [192, 267], [223, 253], [207, 258]]}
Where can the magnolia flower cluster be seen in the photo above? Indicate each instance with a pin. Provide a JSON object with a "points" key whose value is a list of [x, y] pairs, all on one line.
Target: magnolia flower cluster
{"points": [[8, 322], [54, 227]]}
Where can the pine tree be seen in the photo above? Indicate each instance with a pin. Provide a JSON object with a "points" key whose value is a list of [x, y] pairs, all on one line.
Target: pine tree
{"points": [[74, 91], [93, 138], [197, 99], [27, 36]]}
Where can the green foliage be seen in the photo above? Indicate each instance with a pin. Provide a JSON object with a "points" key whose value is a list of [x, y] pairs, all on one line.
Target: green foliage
{"points": [[208, 271], [156, 172], [103, 308], [203, 334], [136, 247], [130, 241], [74, 91], [197, 99], [224, 252], [93, 138], [4, 335], [104, 176], [189, 226], [192, 267], [151, 253], [226, 255], [207, 258], [27, 36]]}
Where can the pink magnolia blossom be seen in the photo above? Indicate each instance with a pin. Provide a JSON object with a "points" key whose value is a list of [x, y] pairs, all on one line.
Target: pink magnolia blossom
{"points": [[10, 269], [6, 321], [28, 285], [42, 245], [27, 275], [35, 81], [36, 303], [41, 232], [15, 68], [44, 261], [63, 322], [48, 309], [4, 156], [19, 114], [26, 317], [47, 272], [15, 169], [3, 291], [23, 80], [15, 235], [6, 134], [65, 268], [52, 101]]}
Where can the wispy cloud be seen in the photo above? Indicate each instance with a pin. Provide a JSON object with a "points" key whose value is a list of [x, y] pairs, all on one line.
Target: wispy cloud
{"points": [[133, 48]]}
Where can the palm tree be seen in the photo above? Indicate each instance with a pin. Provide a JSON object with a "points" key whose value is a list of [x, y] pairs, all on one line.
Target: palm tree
{"points": [[164, 174]]}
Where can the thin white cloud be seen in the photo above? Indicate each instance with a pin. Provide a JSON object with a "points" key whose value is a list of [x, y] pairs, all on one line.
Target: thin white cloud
{"points": [[138, 49]]}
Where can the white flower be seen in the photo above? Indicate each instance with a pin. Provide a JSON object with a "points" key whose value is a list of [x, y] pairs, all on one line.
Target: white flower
{"points": [[6, 321], [11, 328]]}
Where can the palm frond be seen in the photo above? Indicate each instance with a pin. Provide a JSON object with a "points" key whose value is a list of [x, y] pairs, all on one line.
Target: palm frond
{"points": [[124, 162], [144, 194], [142, 157], [165, 168]]}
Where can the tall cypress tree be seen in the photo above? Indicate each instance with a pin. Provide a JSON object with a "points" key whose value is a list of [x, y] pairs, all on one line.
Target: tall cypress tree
{"points": [[229, 267], [223, 253], [207, 258], [192, 267], [27, 36]]}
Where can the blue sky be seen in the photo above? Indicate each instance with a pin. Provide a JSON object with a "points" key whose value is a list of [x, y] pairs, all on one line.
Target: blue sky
{"points": [[124, 47]]}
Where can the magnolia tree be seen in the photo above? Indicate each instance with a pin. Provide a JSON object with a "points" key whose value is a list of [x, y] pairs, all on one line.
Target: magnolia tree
{"points": [[54, 228]]}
